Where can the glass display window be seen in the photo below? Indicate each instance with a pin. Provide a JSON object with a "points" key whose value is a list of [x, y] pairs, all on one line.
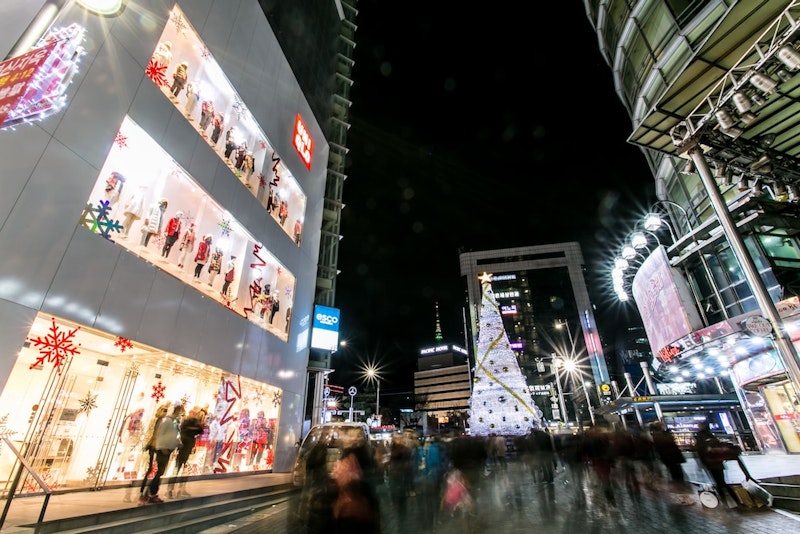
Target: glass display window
{"points": [[148, 204], [85, 402], [186, 72]]}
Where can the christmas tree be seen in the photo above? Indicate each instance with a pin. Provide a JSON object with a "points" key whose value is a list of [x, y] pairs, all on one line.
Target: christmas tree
{"points": [[501, 402]]}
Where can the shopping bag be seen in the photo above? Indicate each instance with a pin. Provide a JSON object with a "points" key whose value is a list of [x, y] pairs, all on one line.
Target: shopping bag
{"points": [[757, 492]]}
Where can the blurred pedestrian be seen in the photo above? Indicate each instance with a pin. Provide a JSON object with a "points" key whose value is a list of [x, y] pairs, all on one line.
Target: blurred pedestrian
{"points": [[190, 427], [713, 454], [150, 468], [668, 451], [400, 473], [166, 440], [356, 508], [315, 510]]}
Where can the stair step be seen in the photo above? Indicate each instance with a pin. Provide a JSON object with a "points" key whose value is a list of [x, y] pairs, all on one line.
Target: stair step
{"points": [[189, 515]]}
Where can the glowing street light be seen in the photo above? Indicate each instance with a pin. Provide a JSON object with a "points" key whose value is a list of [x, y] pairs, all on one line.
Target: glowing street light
{"points": [[371, 373]]}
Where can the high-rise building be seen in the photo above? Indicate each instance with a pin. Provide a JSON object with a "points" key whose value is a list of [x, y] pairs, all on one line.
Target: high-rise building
{"points": [[549, 320], [711, 93], [171, 200]]}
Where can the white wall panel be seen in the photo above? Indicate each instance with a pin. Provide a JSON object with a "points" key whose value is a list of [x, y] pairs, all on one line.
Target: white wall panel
{"points": [[15, 322], [161, 311], [126, 298], [19, 154], [83, 278]]}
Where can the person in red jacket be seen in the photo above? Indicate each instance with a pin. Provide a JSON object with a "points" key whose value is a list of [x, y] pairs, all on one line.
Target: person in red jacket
{"points": [[203, 254]]}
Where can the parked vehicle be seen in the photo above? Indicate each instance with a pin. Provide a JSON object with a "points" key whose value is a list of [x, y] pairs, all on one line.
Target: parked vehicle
{"points": [[337, 437]]}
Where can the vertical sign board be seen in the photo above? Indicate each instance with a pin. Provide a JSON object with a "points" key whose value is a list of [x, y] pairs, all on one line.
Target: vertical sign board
{"points": [[16, 75], [302, 141], [325, 328]]}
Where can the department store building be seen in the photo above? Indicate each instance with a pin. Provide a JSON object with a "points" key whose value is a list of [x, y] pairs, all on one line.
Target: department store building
{"points": [[161, 206]]}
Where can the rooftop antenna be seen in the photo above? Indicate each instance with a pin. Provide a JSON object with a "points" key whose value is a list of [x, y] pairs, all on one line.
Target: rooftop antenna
{"points": [[438, 326]]}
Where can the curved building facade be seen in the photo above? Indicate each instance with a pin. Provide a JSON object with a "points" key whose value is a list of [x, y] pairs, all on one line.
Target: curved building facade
{"points": [[710, 90]]}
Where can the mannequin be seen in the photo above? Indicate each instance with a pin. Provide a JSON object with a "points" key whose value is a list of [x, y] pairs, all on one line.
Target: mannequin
{"points": [[192, 97], [163, 53], [172, 233], [179, 78], [202, 256], [215, 266], [276, 305], [113, 187], [230, 272], [206, 114], [219, 122], [133, 210], [230, 144], [298, 230], [152, 224], [187, 244]]}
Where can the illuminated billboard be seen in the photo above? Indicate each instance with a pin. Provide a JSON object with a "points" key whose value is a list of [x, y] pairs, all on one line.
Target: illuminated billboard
{"points": [[325, 329]]}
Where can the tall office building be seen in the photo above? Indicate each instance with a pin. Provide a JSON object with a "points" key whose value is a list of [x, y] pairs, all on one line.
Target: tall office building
{"points": [[176, 162], [549, 320], [711, 90]]}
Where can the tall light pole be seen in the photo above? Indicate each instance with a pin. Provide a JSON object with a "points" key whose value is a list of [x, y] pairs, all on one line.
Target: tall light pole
{"points": [[571, 365], [371, 373], [556, 364]]}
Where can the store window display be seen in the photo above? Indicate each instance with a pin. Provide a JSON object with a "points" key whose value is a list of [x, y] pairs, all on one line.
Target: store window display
{"points": [[154, 186], [113, 437], [246, 149]]}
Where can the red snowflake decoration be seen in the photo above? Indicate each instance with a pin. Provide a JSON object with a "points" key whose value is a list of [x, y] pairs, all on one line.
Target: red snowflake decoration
{"points": [[121, 140], [205, 53], [157, 72], [262, 144], [123, 343], [158, 391], [55, 347], [262, 182]]}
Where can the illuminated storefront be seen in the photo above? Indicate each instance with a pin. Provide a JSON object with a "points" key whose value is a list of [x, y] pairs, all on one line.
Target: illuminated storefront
{"points": [[113, 178]]}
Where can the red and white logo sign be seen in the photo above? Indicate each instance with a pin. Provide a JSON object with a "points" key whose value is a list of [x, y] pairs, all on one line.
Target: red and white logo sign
{"points": [[302, 141]]}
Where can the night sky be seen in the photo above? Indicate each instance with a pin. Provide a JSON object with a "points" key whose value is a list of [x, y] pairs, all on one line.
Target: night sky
{"points": [[473, 130]]}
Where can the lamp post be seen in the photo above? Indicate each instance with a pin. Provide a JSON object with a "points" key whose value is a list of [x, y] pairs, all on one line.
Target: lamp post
{"points": [[556, 364], [371, 374], [571, 366]]}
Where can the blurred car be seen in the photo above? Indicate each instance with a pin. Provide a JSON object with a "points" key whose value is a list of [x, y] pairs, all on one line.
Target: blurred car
{"points": [[337, 437]]}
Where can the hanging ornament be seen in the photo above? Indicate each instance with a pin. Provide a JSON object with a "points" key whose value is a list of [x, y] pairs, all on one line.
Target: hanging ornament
{"points": [[179, 22], [88, 403], [94, 474], [205, 53], [288, 291], [121, 140], [258, 396], [262, 144], [123, 343], [185, 399], [276, 399], [158, 391], [157, 72], [225, 227], [55, 347]]}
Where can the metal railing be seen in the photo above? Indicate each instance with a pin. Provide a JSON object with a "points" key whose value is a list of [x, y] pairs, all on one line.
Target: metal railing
{"points": [[42, 484]]}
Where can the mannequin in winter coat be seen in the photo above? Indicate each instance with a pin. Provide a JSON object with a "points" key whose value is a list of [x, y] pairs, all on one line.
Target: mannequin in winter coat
{"points": [[215, 266], [192, 97], [152, 224], [230, 273], [219, 123], [132, 210], [179, 78], [202, 256], [113, 187], [187, 244], [172, 233], [206, 114]]}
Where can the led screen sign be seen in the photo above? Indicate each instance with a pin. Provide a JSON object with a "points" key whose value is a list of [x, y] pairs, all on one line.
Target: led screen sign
{"points": [[325, 328]]}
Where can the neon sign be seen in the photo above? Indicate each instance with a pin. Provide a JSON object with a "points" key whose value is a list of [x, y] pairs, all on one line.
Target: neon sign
{"points": [[302, 141]]}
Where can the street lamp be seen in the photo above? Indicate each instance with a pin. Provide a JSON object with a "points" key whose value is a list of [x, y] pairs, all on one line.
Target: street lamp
{"points": [[555, 365], [372, 373]]}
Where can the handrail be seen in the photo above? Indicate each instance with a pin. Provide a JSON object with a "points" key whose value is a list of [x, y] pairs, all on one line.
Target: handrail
{"points": [[42, 484]]}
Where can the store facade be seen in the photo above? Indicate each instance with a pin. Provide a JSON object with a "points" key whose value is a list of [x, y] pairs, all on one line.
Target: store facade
{"points": [[161, 206]]}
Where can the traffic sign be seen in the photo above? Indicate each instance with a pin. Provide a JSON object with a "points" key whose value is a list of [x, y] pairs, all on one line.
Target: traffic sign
{"points": [[352, 391]]}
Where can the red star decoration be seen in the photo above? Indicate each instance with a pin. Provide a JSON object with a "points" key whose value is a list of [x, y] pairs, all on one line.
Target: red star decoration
{"points": [[55, 347], [156, 72], [121, 140], [158, 391], [123, 343], [279, 270], [262, 144]]}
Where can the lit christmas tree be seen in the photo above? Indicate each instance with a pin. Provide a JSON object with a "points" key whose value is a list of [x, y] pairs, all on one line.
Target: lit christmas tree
{"points": [[501, 402]]}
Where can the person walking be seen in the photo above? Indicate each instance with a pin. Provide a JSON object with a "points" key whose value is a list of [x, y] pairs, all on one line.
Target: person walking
{"points": [[165, 441], [190, 427], [712, 455]]}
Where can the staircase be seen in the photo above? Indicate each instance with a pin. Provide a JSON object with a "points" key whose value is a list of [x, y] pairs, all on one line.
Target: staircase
{"points": [[785, 492], [186, 516]]}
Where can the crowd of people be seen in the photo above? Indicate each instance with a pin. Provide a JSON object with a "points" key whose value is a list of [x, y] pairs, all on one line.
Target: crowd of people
{"points": [[445, 476]]}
